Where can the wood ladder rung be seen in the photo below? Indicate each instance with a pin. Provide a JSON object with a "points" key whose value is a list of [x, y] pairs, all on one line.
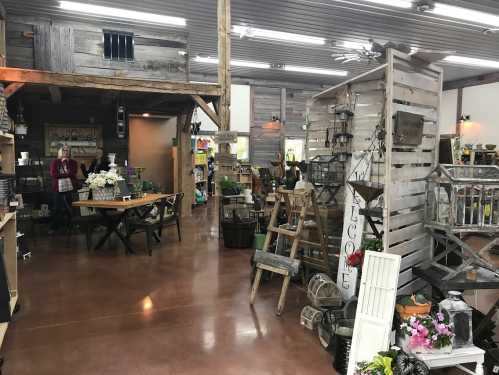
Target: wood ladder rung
{"points": [[283, 231], [266, 267], [308, 213], [310, 243]]}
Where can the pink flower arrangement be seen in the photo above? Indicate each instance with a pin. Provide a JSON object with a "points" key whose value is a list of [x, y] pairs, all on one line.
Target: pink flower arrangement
{"points": [[428, 332]]}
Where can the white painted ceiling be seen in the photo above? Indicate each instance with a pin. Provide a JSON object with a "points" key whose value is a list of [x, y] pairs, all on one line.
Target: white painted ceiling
{"points": [[336, 20]]}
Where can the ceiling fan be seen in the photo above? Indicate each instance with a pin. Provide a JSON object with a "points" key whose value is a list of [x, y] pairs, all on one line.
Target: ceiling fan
{"points": [[376, 52]]}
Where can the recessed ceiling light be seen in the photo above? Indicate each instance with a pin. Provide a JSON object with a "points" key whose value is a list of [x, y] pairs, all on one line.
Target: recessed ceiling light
{"points": [[146, 115], [301, 69], [469, 15], [240, 63], [393, 3], [471, 61], [122, 13], [253, 32]]}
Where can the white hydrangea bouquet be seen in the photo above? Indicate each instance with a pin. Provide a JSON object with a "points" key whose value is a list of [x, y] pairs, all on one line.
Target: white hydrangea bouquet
{"points": [[103, 184]]}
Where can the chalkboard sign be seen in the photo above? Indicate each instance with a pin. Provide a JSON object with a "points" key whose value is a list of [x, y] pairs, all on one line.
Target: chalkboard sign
{"points": [[83, 139]]}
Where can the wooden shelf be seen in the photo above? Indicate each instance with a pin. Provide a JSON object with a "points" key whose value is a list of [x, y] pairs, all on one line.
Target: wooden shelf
{"points": [[6, 138], [7, 217], [3, 326], [8, 230]]}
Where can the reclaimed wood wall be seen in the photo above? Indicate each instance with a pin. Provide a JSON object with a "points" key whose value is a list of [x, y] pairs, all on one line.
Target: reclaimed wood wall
{"points": [[397, 86], [78, 48], [415, 90], [290, 105]]}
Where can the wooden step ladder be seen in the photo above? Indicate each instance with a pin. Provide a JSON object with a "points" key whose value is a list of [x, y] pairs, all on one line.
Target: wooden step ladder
{"points": [[296, 202]]}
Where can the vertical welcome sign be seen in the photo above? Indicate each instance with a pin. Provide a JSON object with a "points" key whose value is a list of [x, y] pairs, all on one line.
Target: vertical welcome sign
{"points": [[353, 224]]}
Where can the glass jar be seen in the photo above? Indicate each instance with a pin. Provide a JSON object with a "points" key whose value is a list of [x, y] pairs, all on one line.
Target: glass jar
{"points": [[460, 318]]}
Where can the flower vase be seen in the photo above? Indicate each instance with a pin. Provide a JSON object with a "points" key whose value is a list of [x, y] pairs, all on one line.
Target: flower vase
{"points": [[103, 194]]}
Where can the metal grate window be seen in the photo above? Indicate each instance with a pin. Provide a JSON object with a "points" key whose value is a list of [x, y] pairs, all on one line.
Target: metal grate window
{"points": [[118, 46]]}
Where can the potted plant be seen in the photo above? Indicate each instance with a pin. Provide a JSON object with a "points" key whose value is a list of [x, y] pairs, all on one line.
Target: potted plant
{"points": [[415, 305], [393, 361], [229, 187], [356, 259], [103, 184], [428, 334]]}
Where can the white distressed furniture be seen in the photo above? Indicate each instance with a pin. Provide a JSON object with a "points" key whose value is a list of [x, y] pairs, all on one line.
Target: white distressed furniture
{"points": [[375, 307], [457, 358]]}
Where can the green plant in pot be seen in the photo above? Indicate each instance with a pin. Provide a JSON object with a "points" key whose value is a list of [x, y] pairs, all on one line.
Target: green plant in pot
{"points": [[229, 187]]}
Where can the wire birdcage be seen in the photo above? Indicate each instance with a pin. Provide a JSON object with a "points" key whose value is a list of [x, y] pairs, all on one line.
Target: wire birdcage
{"points": [[326, 170], [463, 198], [322, 291]]}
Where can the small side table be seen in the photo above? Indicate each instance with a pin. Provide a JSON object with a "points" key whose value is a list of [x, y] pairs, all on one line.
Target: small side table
{"points": [[457, 358]]}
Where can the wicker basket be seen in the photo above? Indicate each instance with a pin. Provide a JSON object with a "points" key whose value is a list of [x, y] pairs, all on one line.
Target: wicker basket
{"points": [[103, 194]]}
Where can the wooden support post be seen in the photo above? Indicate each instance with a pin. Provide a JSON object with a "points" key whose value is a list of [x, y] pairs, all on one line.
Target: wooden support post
{"points": [[224, 79], [184, 154], [206, 109], [282, 114], [3, 36], [459, 111]]}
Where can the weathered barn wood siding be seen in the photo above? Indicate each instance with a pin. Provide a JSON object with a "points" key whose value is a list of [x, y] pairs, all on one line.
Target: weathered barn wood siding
{"points": [[265, 143], [290, 105], [296, 109], [78, 48], [20, 50]]}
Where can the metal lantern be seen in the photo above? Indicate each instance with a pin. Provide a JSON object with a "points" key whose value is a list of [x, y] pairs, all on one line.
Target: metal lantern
{"points": [[322, 291], [460, 318]]}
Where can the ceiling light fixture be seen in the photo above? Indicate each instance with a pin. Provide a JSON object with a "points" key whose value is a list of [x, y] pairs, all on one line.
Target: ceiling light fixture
{"points": [[253, 32], [469, 15], [393, 3], [122, 13], [357, 45], [259, 65], [470, 61], [300, 69], [240, 63]]}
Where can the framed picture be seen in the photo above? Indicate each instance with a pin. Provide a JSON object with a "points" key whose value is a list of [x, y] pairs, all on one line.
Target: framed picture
{"points": [[83, 139]]}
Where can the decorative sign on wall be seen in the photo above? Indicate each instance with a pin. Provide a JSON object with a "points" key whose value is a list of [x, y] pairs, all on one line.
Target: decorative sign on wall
{"points": [[353, 225], [225, 137], [83, 139], [225, 158]]}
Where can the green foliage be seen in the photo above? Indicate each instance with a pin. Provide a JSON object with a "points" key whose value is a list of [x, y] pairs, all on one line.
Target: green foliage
{"points": [[373, 244]]}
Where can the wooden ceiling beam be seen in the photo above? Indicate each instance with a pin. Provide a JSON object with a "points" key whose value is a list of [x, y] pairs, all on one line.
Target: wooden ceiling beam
{"points": [[12, 89], [38, 77], [206, 109], [482, 79]]}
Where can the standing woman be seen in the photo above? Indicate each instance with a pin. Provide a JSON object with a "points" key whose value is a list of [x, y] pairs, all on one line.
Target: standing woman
{"points": [[63, 171], [100, 163]]}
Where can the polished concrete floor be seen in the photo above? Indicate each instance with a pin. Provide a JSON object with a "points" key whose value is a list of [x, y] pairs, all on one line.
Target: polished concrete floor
{"points": [[182, 311]]}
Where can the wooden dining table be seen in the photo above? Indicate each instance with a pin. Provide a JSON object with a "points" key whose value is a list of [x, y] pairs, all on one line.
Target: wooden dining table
{"points": [[123, 208]]}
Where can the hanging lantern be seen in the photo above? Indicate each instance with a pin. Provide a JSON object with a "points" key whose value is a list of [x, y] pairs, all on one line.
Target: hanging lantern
{"points": [[21, 128]]}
